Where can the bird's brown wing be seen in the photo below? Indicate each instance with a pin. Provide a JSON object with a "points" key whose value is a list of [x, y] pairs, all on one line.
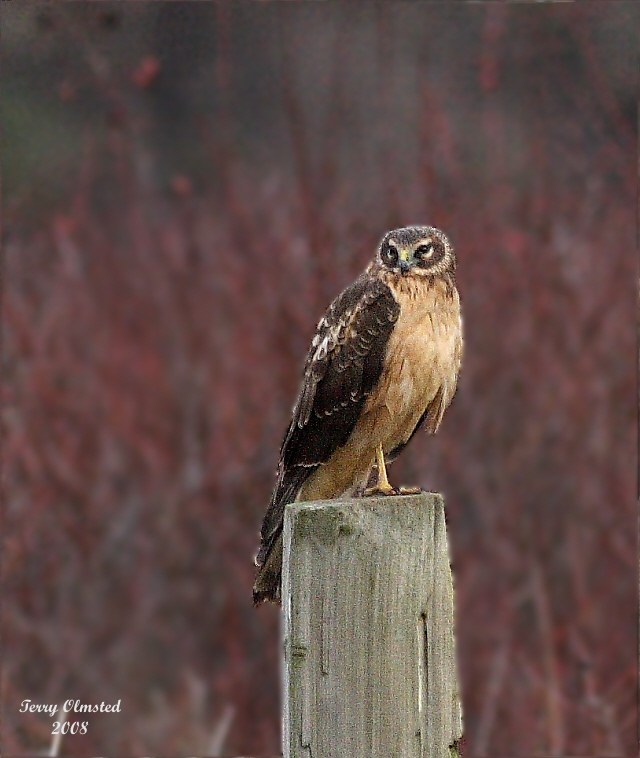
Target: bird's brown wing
{"points": [[343, 365]]}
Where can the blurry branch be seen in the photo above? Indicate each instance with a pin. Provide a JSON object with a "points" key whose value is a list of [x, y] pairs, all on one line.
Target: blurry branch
{"points": [[101, 68], [336, 114], [489, 73], [604, 709], [56, 739], [302, 156], [583, 35], [386, 42], [555, 719], [495, 684], [219, 736]]}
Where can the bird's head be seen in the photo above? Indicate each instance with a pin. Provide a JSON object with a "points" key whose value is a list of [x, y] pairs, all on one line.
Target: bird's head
{"points": [[417, 251]]}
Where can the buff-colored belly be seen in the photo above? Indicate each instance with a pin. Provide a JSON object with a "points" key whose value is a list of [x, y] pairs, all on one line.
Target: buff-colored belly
{"points": [[421, 366]]}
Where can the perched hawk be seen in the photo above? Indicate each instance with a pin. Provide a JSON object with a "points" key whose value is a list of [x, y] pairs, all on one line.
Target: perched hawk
{"points": [[383, 363]]}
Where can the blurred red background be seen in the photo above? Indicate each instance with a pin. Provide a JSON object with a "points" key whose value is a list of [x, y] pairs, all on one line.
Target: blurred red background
{"points": [[186, 187]]}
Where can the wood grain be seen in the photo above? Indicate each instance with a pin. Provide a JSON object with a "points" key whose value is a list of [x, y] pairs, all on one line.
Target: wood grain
{"points": [[370, 669]]}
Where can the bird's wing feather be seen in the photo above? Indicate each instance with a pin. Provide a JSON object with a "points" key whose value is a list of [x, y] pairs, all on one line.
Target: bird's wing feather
{"points": [[343, 365]]}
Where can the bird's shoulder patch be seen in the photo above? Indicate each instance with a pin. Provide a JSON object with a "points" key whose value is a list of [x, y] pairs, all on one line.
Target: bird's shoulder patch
{"points": [[343, 365]]}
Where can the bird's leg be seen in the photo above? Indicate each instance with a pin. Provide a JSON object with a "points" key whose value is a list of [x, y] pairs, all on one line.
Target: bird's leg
{"points": [[383, 483], [382, 486]]}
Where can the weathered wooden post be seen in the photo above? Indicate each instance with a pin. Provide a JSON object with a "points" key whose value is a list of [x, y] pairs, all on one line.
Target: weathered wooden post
{"points": [[370, 669]]}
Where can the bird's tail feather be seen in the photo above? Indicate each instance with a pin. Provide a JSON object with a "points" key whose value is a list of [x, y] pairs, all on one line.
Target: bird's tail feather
{"points": [[268, 581]]}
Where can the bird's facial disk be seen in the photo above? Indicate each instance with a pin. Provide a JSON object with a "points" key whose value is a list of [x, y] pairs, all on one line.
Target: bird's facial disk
{"points": [[419, 256]]}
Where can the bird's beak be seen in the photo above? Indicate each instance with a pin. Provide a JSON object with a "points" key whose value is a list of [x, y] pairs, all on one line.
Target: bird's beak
{"points": [[403, 261]]}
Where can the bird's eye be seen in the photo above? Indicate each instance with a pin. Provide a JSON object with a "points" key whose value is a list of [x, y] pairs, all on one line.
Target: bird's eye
{"points": [[390, 254], [424, 251]]}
